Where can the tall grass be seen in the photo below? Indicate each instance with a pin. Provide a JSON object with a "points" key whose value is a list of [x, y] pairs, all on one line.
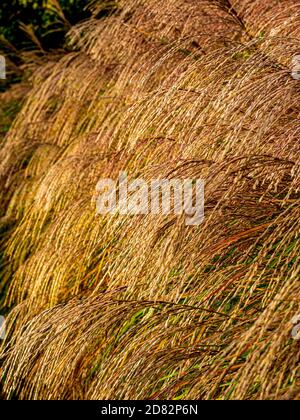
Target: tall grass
{"points": [[146, 307]]}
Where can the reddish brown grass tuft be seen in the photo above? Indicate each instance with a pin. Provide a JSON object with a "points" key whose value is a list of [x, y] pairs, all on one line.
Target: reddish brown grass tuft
{"points": [[146, 307]]}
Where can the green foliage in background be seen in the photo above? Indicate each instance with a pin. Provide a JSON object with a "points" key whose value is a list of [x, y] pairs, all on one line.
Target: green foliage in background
{"points": [[27, 24]]}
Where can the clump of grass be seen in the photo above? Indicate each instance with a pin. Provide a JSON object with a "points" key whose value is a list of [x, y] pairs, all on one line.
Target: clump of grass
{"points": [[145, 307]]}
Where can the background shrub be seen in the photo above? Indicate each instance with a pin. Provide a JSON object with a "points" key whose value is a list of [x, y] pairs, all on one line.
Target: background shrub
{"points": [[25, 24]]}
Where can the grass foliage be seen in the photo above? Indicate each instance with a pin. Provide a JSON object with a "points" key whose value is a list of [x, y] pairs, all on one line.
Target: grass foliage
{"points": [[122, 307]]}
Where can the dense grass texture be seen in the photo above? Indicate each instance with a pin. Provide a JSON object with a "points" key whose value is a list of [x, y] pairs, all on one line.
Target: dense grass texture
{"points": [[115, 307]]}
